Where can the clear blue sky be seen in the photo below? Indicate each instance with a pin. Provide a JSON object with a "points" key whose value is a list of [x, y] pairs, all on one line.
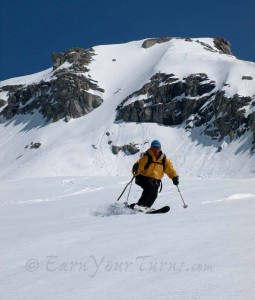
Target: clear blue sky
{"points": [[31, 30]]}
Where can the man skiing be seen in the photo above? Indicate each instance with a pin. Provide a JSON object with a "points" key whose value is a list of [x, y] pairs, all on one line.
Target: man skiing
{"points": [[148, 171]]}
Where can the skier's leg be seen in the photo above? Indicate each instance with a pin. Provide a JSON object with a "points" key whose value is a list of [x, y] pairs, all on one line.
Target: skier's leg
{"points": [[150, 191]]}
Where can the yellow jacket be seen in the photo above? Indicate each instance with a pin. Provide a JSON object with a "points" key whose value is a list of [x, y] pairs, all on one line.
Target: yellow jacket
{"points": [[155, 169]]}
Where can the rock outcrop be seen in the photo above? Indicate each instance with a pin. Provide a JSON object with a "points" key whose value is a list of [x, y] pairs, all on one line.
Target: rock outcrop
{"points": [[151, 42], [223, 45], [220, 43], [192, 101], [129, 149], [2, 103], [68, 93]]}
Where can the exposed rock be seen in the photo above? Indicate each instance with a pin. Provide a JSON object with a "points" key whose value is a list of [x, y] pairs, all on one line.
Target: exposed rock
{"points": [[2, 103], [193, 101], [11, 88], [219, 149], [252, 117], [33, 145], [127, 149], [165, 99], [78, 57], [206, 46], [66, 95], [67, 119], [223, 45], [220, 43], [116, 149], [247, 78], [253, 147], [161, 102], [151, 42], [130, 149]]}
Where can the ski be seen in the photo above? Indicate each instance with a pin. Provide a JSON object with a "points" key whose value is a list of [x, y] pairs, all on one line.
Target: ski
{"points": [[161, 210]]}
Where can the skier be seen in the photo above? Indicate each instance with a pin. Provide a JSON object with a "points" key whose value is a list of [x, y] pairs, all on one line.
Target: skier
{"points": [[148, 171]]}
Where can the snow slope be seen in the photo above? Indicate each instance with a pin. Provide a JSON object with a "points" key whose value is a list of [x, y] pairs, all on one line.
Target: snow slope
{"points": [[69, 150], [64, 236], [82, 147], [67, 238]]}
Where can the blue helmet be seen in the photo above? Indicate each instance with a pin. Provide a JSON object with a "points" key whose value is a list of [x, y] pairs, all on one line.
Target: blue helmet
{"points": [[155, 143]]}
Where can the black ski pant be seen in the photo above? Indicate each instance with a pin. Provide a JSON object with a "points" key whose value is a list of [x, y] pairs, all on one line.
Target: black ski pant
{"points": [[150, 190]]}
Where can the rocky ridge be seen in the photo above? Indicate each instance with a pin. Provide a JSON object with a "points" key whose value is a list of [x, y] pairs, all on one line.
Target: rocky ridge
{"points": [[69, 93], [193, 101]]}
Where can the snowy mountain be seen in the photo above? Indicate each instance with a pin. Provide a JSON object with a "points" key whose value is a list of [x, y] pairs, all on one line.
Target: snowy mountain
{"points": [[191, 94], [64, 132]]}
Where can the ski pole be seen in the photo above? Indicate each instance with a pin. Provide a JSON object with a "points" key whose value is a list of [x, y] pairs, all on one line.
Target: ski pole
{"points": [[126, 188], [129, 191], [184, 205]]}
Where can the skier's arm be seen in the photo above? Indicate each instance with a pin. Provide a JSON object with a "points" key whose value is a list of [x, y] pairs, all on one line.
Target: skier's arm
{"points": [[171, 173]]}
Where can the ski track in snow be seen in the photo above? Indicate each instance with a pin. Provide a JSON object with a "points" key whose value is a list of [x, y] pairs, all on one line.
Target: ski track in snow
{"points": [[69, 192], [90, 241], [232, 198], [59, 197]]}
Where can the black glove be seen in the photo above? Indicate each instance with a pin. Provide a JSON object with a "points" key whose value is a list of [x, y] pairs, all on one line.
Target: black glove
{"points": [[176, 180], [135, 169]]}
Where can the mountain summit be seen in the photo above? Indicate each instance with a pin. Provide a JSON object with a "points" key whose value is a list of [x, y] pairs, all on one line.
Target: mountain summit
{"points": [[191, 93]]}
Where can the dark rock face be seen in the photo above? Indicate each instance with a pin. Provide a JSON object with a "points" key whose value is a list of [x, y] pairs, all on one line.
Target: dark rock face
{"points": [[69, 96], [34, 145], [223, 45], [220, 43], [162, 102], [78, 57], [129, 149], [66, 94], [151, 42], [192, 101], [2, 103], [247, 78]]}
